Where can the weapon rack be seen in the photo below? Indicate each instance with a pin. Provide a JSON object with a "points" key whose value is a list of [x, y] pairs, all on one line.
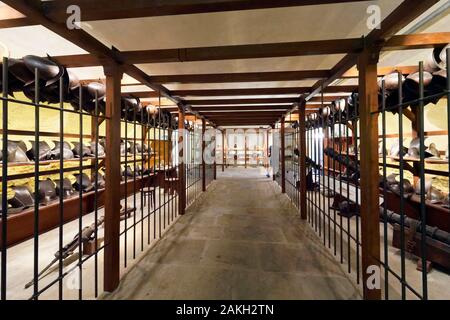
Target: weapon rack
{"points": [[414, 264], [150, 198]]}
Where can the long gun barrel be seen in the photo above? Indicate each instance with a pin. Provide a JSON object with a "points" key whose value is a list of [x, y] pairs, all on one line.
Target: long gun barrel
{"points": [[85, 236], [342, 159], [432, 232]]}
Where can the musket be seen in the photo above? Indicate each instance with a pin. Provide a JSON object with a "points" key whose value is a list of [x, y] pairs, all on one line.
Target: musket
{"points": [[86, 235], [431, 232]]}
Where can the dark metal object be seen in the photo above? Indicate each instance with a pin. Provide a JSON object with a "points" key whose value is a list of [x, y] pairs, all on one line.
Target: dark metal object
{"points": [[83, 183], [67, 189]]}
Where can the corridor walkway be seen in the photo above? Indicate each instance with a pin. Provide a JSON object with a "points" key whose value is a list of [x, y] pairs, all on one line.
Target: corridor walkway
{"points": [[240, 241]]}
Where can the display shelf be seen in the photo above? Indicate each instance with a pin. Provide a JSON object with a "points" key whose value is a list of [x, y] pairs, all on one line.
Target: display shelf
{"points": [[20, 226], [427, 160]]}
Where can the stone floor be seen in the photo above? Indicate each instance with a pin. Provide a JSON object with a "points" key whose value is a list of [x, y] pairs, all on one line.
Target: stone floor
{"points": [[241, 240]]}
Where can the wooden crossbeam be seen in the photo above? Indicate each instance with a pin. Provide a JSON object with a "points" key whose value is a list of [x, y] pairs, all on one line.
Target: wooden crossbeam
{"points": [[242, 108], [115, 9], [241, 101], [243, 92], [242, 77], [14, 22], [266, 50]]}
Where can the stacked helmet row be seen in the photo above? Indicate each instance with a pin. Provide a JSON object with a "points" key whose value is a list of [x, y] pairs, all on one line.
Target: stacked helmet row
{"points": [[393, 86], [24, 73], [21, 197], [25, 151]]}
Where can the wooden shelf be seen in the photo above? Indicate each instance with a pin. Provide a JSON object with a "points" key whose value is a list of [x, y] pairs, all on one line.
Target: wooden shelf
{"points": [[20, 226], [427, 160]]}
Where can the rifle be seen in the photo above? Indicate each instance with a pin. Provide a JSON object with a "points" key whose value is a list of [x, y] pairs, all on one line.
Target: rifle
{"points": [[86, 235]]}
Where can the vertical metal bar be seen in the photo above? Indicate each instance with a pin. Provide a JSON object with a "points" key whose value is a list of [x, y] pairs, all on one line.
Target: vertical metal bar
{"points": [[4, 246], [126, 185], [318, 199], [203, 155], [283, 159], [448, 109], [80, 208], [385, 221], [159, 164], [157, 173], [96, 170], [340, 187], [402, 202], [134, 183], [36, 185], [314, 193], [328, 178], [150, 181], [349, 267], [423, 208], [333, 123], [357, 189], [311, 173], [142, 184], [61, 188], [166, 170]]}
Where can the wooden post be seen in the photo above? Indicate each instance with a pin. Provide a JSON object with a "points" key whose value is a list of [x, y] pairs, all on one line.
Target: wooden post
{"points": [[302, 159], [181, 164], [203, 155], [267, 151], [223, 150], [245, 149], [370, 219], [111, 262], [282, 158], [215, 153], [271, 153]]}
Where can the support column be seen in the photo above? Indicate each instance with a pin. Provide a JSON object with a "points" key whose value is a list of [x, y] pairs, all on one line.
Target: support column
{"points": [[181, 164], [370, 221], [215, 153], [302, 159], [282, 158], [203, 155], [223, 151], [111, 262], [271, 152]]}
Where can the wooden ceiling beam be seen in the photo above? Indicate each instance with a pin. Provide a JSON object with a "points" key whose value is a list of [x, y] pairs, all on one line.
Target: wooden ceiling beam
{"points": [[244, 92], [267, 50], [237, 108], [14, 23], [416, 41], [256, 114], [242, 77], [115, 9], [212, 102], [247, 51]]}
